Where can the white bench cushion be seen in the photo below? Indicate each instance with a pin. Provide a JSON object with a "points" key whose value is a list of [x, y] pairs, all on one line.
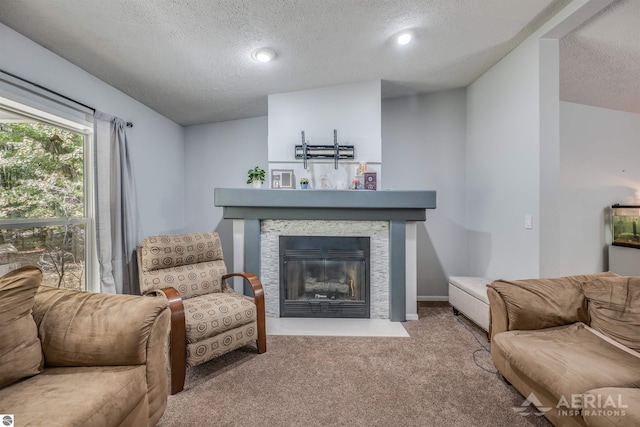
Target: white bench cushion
{"points": [[474, 286], [469, 296]]}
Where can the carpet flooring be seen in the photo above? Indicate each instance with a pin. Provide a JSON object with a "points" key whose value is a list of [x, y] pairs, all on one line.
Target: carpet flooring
{"points": [[433, 378]]}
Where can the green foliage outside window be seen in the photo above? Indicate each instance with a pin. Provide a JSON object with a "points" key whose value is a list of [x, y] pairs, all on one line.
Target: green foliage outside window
{"points": [[42, 177], [41, 172]]}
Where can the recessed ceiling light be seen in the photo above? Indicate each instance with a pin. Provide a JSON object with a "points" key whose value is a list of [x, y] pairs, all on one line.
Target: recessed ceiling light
{"points": [[263, 55], [404, 38]]}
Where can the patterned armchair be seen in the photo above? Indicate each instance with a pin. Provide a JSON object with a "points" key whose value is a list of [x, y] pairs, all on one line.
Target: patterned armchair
{"points": [[208, 318]]}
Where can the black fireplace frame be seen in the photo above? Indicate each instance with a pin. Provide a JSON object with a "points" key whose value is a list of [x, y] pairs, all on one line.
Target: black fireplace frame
{"points": [[329, 248]]}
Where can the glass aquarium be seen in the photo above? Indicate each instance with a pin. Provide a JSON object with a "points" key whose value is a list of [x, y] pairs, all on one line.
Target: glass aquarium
{"points": [[625, 225]]}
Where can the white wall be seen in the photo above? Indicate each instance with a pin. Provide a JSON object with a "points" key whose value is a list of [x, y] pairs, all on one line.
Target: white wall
{"points": [[504, 160], [599, 166], [423, 148], [503, 167], [352, 109], [219, 155], [156, 142]]}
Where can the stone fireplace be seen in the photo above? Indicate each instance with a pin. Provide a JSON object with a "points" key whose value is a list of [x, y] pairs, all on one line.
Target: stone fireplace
{"points": [[377, 232], [387, 218]]}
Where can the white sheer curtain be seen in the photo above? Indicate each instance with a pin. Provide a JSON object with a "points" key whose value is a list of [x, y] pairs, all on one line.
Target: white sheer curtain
{"points": [[117, 219]]}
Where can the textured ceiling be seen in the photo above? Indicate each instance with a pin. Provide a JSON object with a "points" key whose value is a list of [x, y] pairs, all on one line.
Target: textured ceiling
{"points": [[600, 61], [190, 59]]}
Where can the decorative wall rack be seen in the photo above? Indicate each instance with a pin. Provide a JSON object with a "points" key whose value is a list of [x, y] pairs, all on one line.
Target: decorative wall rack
{"points": [[336, 151]]}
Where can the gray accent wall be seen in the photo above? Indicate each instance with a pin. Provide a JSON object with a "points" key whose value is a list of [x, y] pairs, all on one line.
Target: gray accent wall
{"points": [[219, 155], [423, 148]]}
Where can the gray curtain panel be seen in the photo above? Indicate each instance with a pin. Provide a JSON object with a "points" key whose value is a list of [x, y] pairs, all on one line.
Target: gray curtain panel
{"points": [[118, 228]]}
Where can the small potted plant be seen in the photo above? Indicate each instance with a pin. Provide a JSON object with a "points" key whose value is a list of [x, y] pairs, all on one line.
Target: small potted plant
{"points": [[304, 183], [256, 177]]}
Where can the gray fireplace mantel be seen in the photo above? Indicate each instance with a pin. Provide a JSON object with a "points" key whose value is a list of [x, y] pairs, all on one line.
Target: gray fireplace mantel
{"points": [[387, 205], [397, 207]]}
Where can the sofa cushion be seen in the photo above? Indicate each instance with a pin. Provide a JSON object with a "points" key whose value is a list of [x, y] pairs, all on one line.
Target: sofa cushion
{"points": [[568, 359], [612, 406], [20, 352], [83, 396], [614, 308], [543, 303]]}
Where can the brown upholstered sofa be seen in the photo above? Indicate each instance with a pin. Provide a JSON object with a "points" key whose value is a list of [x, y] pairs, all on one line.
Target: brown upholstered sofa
{"points": [[72, 358], [571, 346]]}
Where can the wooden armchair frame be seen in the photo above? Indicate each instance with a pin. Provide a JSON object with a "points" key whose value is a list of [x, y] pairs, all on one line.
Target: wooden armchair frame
{"points": [[178, 340]]}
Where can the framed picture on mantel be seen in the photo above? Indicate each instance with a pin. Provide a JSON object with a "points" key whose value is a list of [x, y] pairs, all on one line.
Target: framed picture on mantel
{"points": [[370, 181], [282, 178]]}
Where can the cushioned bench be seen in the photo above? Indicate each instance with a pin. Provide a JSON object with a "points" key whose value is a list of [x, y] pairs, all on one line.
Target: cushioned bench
{"points": [[468, 295]]}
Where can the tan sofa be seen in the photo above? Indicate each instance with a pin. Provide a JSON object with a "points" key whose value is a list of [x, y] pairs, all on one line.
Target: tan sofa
{"points": [[571, 346], [72, 358]]}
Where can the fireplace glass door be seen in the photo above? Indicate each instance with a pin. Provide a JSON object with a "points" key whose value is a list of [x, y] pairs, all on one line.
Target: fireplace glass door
{"points": [[323, 278]]}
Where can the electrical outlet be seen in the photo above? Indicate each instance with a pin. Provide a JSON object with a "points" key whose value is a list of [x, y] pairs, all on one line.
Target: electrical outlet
{"points": [[528, 222]]}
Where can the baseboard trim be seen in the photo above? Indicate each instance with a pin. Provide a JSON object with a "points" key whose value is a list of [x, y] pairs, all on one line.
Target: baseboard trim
{"points": [[433, 298], [411, 316]]}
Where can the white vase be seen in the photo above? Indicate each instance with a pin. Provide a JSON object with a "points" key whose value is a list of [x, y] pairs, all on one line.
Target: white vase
{"points": [[257, 184]]}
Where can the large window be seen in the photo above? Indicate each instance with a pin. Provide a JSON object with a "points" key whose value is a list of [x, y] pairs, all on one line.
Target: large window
{"points": [[44, 197]]}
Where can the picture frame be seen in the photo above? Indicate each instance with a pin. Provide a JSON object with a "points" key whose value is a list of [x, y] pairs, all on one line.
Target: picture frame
{"points": [[282, 179], [370, 181]]}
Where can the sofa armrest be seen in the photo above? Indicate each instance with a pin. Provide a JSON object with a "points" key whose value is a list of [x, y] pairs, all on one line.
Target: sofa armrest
{"points": [[499, 319], [94, 329], [178, 336], [157, 352]]}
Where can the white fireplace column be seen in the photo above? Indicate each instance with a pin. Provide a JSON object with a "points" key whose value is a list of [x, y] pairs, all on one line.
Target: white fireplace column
{"points": [[411, 271]]}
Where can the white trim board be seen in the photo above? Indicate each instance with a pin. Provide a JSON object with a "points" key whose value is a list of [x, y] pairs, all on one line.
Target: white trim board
{"points": [[433, 298]]}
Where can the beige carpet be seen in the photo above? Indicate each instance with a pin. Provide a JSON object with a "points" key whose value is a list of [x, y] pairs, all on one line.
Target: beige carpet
{"points": [[429, 379]]}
